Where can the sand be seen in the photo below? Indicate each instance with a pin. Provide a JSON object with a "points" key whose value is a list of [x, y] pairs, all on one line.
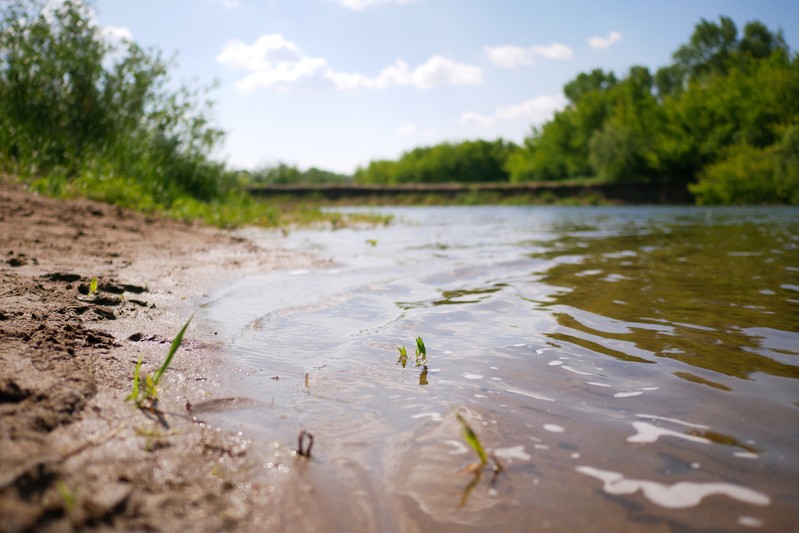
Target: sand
{"points": [[73, 453]]}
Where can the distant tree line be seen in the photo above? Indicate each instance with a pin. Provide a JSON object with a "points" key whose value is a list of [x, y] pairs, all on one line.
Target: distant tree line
{"points": [[465, 162], [284, 174], [722, 119]]}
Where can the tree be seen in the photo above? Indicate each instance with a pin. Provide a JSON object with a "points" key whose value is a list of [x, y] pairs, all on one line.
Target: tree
{"points": [[708, 50], [70, 108]]}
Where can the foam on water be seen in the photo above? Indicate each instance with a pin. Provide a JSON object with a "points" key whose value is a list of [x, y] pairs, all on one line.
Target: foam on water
{"points": [[681, 495]]}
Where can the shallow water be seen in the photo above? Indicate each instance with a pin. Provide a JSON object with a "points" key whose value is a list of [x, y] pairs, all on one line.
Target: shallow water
{"points": [[631, 368]]}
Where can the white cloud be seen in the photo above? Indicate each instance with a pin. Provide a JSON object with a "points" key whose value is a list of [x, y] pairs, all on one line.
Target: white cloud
{"points": [[275, 62], [515, 56], [359, 5], [116, 34], [536, 111], [442, 71], [113, 35], [600, 43], [471, 117]]}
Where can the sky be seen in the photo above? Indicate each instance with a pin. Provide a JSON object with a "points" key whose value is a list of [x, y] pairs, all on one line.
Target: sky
{"points": [[336, 84]]}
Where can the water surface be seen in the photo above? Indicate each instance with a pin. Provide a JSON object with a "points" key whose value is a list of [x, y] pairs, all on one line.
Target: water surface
{"points": [[630, 368]]}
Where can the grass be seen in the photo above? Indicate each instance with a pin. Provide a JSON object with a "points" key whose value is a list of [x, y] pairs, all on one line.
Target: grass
{"points": [[421, 352], [472, 440], [403, 356], [145, 395]]}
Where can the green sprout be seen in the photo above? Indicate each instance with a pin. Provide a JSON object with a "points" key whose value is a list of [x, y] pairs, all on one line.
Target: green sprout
{"points": [[421, 352], [371, 242], [67, 495], [148, 396], [93, 286], [472, 440], [403, 356]]}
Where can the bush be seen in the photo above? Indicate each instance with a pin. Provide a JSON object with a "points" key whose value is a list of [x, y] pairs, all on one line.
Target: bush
{"points": [[98, 118]]}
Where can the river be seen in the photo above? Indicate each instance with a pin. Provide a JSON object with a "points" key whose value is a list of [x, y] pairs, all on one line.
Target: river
{"points": [[629, 368]]}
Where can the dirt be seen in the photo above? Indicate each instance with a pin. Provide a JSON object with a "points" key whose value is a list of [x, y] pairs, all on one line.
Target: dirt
{"points": [[74, 454]]}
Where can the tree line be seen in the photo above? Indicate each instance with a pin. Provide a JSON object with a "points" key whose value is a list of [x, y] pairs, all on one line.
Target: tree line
{"points": [[81, 114], [721, 119]]}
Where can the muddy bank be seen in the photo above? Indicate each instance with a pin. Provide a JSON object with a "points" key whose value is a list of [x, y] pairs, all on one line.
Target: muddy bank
{"points": [[73, 453]]}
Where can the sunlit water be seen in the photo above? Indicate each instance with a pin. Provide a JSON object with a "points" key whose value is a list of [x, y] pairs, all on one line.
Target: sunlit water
{"points": [[631, 368]]}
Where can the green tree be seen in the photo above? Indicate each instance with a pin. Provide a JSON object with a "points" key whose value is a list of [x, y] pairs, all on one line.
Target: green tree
{"points": [[465, 162], [77, 108]]}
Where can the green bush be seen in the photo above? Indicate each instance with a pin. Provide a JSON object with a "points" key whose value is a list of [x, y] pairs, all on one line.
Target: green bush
{"points": [[96, 118], [749, 175]]}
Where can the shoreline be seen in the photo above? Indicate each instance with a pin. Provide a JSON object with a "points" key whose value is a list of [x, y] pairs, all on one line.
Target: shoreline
{"points": [[73, 453]]}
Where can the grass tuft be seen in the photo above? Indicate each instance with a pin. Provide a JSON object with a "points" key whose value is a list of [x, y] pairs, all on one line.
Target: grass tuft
{"points": [[147, 397]]}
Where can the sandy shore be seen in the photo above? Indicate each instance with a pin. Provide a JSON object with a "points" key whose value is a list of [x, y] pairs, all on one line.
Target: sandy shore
{"points": [[73, 453]]}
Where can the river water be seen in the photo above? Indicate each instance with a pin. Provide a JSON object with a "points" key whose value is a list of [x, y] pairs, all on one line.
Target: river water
{"points": [[630, 368]]}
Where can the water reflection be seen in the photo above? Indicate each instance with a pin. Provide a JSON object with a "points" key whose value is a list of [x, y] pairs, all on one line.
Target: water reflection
{"points": [[695, 293]]}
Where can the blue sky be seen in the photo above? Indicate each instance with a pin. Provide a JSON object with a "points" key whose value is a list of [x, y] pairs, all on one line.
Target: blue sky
{"points": [[337, 83]]}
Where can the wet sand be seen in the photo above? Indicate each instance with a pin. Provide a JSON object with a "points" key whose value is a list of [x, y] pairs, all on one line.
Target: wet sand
{"points": [[73, 453]]}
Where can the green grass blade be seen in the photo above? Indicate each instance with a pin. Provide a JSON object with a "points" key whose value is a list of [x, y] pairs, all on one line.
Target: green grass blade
{"points": [[420, 348], [93, 286], [472, 440], [421, 352], [403, 356], [134, 394], [172, 350]]}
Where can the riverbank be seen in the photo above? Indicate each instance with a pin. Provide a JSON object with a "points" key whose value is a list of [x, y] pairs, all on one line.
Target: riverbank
{"points": [[73, 452], [572, 192]]}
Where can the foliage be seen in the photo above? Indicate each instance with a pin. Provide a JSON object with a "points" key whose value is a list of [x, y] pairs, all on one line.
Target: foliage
{"points": [[421, 352], [283, 174], [148, 395], [472, 440], [719, 115], [87, 112], [465, 162], [403, 356], [751, 175]]}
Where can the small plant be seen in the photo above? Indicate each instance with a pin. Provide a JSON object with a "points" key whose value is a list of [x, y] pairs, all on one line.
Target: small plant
{"points": [[472, 440], [421, 359], [67, 496], [371, 242], [93, 286], [421, 352], [147, 396], [403, 356]]}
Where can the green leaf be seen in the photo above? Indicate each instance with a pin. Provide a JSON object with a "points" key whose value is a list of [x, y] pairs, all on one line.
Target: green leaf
{"points": [[403, 357], [472, 440], [134, 394], [93, 286], [421, 352], [173, 348]]}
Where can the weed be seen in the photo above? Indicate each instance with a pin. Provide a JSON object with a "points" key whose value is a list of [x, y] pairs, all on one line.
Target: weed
{"points": [[403, 356], [147, 397], [421, 359], [472, 440], [371, 242], [93, 286], [67, 496], [421, 352]]}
